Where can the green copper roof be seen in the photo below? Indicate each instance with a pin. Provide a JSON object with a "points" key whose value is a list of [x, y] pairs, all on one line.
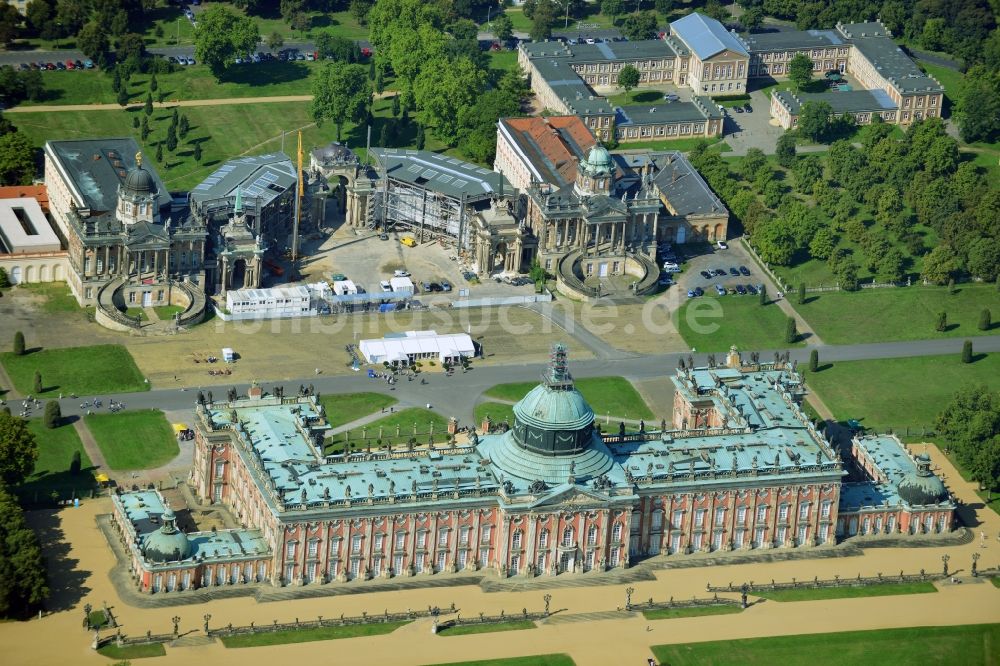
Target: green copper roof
{"points": [[554, 409]]}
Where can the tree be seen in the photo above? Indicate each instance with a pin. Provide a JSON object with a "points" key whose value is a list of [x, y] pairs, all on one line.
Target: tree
{"points": [[53, 414], [985, 320], [171, 138], [92, 40], [445, 92], [822, 244], [753, 162], [420, 138], [785, 150], [75, 463], [978, 108], [542, 20], [153, 85], [752, 19], [21, 565], [395, 106], [463, 29], [791, 334], [144, 129], [275, 41], [664, 7], [775, 242], [339, 49], [814, 120], [340, 93], [183, 127], [221, 35], [942, 322], [174, 118], [940, 264], [967, 351], [10, 19], [17, 159], [612, 9], [159, 151], [4, 278], [503, 28], [18, 449], [19, 344], [802, 293], [763, 295], [984, 258], [800, 70], [38, 382], [639, 26], [359, 10], [123, 97], [197, 152], [814, 360], [148, 106], [971, 423], [628, 78]]}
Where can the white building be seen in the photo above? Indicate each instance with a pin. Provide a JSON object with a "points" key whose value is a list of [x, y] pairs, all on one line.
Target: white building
{"points": [[401, 285], [276, 302], [341, 287], [24, 228], [405, 348]]}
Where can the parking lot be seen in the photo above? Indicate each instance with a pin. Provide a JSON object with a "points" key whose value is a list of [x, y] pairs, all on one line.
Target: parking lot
{"points": [[367, 260], [714, 261]]}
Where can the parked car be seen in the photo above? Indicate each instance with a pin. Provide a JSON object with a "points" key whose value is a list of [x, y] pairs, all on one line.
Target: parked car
{"points": [[706, 274], [744, 270], [425, 286], [383, 236], [721, 245], [718, 272], [671, 266], [748, 108], [720, 290], [310, 57], [671, 97], [445, 285], [741, 290], [751, 289], [400, 273], [738, 109], [690, 293], [698, 291], [666, 281], [61, 66], [734, 271], [366, 51], [24, 66], [386, 287]]}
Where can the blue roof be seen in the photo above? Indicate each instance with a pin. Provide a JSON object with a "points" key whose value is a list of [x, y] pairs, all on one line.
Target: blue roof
{"points": [[706, 36]]}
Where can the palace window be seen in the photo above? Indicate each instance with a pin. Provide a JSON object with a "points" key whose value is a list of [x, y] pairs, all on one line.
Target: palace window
{"points": [[592, 535], [677, 518], [220, 468], [378, 541], [804, 511], [783, 512], [782, 535], [761, 514], [825, 508], [421, 539], [516, 540], [463, 536], [313, 548], [290, 550], [400, 540], [540, 562], [487, 531], [802, 535], [657, 523], [567, 538], [543, 539], [484, 557], [443, 537], [397, 564], [741, 515], [616, 532], [699, 517], [356, 543], [720, 517]]}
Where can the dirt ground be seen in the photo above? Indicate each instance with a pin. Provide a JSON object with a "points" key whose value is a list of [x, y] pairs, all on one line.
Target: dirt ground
{"points": [[80, 560]]}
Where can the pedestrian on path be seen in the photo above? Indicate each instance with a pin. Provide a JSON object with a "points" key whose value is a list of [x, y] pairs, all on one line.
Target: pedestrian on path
{"points": [[982, 539]]}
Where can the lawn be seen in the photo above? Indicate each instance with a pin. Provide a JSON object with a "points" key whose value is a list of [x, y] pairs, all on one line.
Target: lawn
{"points": [[309, 635], [404, 419], [167, 312], [899, 392], [55, 452], [506, 60], [614, 395], [82, 370], [910, 313], [636, 96], [134, 440], [813, 594], [683, 145], [952, 80], [671, 613], [112, 651], [486, 628], [57, 296], [533, 660], [714, 324], [497, 411], [966, 645], [343, 408]]}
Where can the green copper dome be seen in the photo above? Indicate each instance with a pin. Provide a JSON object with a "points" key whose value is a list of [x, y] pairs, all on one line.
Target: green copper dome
{"points": [[167, 544], [554, 409], [598, 162], [922, 487]]}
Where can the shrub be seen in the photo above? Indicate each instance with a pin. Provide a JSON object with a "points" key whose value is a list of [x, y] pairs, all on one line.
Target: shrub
{"points": [[802, 293], [942, 322], [791, 334], [985, 320], [75, 464], [813, 360], [38, 382], [19, 343], [967, 351], [4, 279], [763, 295], [53, 414]]}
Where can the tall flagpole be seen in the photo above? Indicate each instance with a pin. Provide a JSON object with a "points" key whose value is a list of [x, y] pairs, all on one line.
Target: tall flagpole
{"points": [[299, 189]]}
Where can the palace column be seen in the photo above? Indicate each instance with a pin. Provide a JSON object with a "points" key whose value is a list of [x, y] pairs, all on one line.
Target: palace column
{"points": [[565, 234], [656, 228], [614, 238]]}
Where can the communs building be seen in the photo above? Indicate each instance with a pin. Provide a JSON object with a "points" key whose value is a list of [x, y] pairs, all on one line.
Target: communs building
{"points": [[739, 467]]}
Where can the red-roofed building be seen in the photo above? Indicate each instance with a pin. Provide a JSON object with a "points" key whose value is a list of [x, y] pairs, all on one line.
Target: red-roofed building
{"points": [[541, 150]]}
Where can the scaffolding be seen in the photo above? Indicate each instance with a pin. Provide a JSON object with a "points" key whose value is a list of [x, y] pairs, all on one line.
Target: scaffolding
{"points": [[424, 212]]}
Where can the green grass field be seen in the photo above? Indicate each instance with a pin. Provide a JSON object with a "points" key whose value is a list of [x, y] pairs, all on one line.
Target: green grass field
{"points": [[112, 651], [533, 660], [901, 314], [497, 411], [167, 312], [605, 394], [404, 419], [56, 296], [134, 440], [683, 145], [466, 629], [671, 613], [812, 594], [309, 635], [898, 392], [82, 370], [343, 408], [968, 645], [714, 324], [55, 452]]}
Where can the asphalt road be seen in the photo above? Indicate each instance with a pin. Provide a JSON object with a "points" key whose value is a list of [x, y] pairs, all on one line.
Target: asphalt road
{"points": [[458, 394]]}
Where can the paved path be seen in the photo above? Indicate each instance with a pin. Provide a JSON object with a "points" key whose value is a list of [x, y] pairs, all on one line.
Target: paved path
{"points": [[161, 105], [8, 385], [90, 446]]}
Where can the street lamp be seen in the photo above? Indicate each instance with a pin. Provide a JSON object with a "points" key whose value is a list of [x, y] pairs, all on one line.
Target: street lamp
{"points": [[628, 597], [176, 620], [547, 599], [207, 617], [975, 560], [944, 559]]}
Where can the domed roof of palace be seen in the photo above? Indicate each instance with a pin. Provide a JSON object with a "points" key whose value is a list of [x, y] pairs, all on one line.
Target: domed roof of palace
{"points": [[167, 544], [598, 161], [139, 181], [554, 408], [921, 487]]}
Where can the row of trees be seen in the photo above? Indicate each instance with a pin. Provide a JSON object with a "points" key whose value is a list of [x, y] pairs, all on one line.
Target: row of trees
{"points": [[883, 197], [970, 425], [443, 80]]}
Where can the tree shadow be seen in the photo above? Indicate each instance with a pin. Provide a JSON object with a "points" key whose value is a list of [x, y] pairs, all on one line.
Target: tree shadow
{"points": [[646, 97], [822, 367], [976, 358], [271, 73], [66, 580]]}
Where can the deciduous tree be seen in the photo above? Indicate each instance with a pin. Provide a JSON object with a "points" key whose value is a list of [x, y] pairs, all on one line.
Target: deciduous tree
{"points": [[639, 26], [18, 449], [340, 94], [17, 159], [800, 70], [221, 35], [22, 568], [628, 78]]}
